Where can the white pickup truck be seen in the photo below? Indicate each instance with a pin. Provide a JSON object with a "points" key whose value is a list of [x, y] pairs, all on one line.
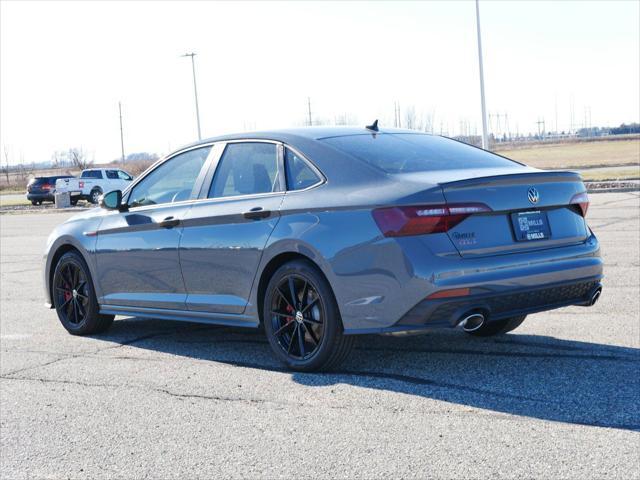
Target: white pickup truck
{"points": [[93, 182]]}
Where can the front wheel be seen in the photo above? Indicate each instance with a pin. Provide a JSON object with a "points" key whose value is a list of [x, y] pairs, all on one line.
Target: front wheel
{"points": [[74, 297], [498, 327], [302, 321]]}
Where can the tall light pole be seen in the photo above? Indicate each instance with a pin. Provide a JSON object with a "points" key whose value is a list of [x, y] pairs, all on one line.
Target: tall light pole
{"points": [[485, 137], [195, 90]]}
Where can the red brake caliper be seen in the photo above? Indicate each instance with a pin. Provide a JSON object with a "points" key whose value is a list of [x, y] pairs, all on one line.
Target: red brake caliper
{"points": [[67, 292], [289, 310]]}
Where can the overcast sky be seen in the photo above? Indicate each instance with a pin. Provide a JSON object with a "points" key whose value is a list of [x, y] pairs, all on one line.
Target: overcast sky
{"points": [[64, 67]]}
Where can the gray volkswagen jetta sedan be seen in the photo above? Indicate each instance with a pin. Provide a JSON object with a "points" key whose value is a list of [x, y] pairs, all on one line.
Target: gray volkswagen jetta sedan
{"points": [[321, 234]]}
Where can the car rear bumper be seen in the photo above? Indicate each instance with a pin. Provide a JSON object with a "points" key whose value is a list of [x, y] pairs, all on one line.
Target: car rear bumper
{"points": [[502, 286], [40, 197], [449, 312]]}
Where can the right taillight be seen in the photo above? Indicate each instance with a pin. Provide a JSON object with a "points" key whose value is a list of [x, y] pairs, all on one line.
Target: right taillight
{"points": [[582, 200], [421, 220]]}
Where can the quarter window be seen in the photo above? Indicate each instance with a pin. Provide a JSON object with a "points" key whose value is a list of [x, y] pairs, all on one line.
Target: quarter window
{"points": [[172, 181], [246, 169], [299, 173]]}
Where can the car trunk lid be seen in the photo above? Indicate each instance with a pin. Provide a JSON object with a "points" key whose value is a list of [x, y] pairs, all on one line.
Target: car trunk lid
{"points": [[529, 209]]}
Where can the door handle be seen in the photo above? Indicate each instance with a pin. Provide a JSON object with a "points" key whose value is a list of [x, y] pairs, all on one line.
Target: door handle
{"points": [[169, 222], [257, 213]]}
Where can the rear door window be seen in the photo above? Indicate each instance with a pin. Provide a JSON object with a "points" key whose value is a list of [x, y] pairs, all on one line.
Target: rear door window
{"points": [[407, 152], [246, 169], [112, 174]]}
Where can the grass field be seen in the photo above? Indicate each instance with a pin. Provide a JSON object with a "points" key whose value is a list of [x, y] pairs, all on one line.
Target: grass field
{"points": [[577, 155]]}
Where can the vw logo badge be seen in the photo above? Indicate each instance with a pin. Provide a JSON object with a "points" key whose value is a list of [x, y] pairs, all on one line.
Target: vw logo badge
{"points": [[533, 195]]}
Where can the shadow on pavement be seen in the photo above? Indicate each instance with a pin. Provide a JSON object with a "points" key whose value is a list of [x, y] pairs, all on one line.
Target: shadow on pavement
{"points": [[528, 375]]}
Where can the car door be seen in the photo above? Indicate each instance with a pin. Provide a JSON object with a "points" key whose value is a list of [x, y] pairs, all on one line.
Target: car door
{"points": [[137, 250], [226, 231], [124, 178], [112, 182]]}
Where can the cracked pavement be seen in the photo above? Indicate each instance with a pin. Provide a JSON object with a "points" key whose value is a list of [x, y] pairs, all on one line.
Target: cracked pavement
{"points": [[559, 397]]}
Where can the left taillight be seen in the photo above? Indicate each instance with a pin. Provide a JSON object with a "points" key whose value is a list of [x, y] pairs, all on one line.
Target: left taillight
{"points": [[46, 186], [425, 219], [582, 200]]}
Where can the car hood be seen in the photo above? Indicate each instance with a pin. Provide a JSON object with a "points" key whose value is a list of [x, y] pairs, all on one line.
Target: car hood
{"points": [[92, 213]]}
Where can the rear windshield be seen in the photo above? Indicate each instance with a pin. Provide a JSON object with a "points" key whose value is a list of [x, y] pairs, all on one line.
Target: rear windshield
{"points": [[39, 180], [407, 152]]}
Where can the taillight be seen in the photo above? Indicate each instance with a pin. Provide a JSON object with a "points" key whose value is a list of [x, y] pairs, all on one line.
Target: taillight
{"points": [[403, 221], [582, 200], [46, 186]]}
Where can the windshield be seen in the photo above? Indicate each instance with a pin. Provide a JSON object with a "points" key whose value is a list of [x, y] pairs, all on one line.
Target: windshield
{"points": [[409, 152]]}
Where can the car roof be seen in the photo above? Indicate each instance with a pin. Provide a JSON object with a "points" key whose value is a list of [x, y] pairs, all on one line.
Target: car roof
{"points": [[291, 135]]}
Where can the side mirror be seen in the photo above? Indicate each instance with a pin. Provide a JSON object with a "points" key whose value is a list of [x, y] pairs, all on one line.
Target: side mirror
{"points": [[112, 201]]}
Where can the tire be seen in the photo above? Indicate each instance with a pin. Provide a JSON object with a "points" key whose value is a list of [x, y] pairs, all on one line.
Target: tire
{"points": [[310, 339], [95, 195], [498, 327], [74, 297], [74, 202], [34, 202]]}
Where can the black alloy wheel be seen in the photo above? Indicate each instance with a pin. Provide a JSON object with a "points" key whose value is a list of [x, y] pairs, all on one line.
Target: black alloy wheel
{"points": [[302, 320], [71, 293], [297, 317], [74, 297]]}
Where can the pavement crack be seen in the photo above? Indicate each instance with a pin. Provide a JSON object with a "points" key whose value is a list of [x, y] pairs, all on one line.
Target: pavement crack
{"points": [[164, 391]]}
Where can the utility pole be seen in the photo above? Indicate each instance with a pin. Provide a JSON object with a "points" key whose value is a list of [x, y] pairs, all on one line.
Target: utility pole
{"points": [[121, 134], [540, 123], [556, 113], [485, 137], [309, 110], [195, 90]]}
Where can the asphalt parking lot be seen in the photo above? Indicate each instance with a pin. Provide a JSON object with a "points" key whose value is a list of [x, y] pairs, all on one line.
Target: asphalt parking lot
{"points": [[557, 398]]}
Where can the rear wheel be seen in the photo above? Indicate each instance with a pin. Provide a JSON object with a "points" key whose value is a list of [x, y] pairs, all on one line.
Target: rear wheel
{"points": [[302, 321], [95, 195], [498, 327], [74, 297], [34, 202]]}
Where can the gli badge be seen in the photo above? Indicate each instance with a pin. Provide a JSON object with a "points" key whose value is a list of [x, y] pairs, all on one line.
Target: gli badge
{"points": [[533, 195]]}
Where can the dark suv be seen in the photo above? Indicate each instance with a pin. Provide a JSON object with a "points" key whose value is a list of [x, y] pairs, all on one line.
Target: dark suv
{"points": [[40, 189]]}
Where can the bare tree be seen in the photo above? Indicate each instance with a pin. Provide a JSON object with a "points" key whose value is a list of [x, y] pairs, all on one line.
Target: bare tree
{"points": [[345, 119], [57, 159], [410, 118], [5, 168], [78, 158]]}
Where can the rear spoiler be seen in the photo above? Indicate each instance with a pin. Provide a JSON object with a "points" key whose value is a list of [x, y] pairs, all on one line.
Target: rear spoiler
{"points": [[540, 176]]}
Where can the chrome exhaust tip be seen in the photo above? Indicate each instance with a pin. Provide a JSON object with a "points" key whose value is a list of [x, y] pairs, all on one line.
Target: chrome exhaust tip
{"points": [[595, 296], [472, 322]]}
